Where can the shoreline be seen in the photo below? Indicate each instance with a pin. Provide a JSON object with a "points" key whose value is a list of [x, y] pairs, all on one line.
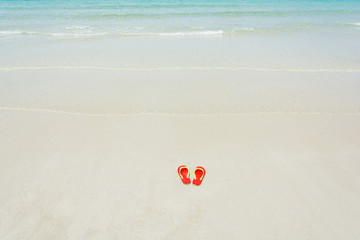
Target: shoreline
{"points": [[181, 68], [192, 92], [178, 114]]}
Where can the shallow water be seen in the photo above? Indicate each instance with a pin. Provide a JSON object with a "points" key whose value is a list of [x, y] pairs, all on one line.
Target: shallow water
{"points": [[91, 19], [180, 56]]}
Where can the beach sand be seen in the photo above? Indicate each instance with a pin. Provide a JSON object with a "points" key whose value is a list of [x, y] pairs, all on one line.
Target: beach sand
{"points": [[269, 176], [102, 101]]}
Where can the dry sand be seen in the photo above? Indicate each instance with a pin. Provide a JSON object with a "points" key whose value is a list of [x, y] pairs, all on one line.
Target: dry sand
{"points": [[269, 176]]}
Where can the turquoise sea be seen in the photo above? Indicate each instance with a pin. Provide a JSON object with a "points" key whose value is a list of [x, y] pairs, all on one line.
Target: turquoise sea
{"points": [[180, 56], [274, 33], [166, 18]]}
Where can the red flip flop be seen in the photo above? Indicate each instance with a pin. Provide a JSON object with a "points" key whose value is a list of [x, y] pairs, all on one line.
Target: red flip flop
{"points": [[183, 172], [198, 175]]}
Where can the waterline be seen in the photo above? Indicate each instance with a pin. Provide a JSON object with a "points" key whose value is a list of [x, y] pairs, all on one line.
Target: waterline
{"points": [[180, 68], [45, 110]]}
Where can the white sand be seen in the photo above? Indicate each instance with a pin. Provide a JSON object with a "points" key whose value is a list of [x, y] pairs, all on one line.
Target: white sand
{"points": [[92, 132], [181, 91], [269, 176]]}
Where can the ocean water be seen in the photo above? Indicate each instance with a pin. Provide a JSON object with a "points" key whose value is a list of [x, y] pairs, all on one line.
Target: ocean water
{"points": [[278, 34], [164, 56], [166, 18]]}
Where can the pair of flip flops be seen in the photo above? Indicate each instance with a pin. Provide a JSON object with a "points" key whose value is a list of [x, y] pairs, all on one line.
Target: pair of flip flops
{"points": [[184, 174]]}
